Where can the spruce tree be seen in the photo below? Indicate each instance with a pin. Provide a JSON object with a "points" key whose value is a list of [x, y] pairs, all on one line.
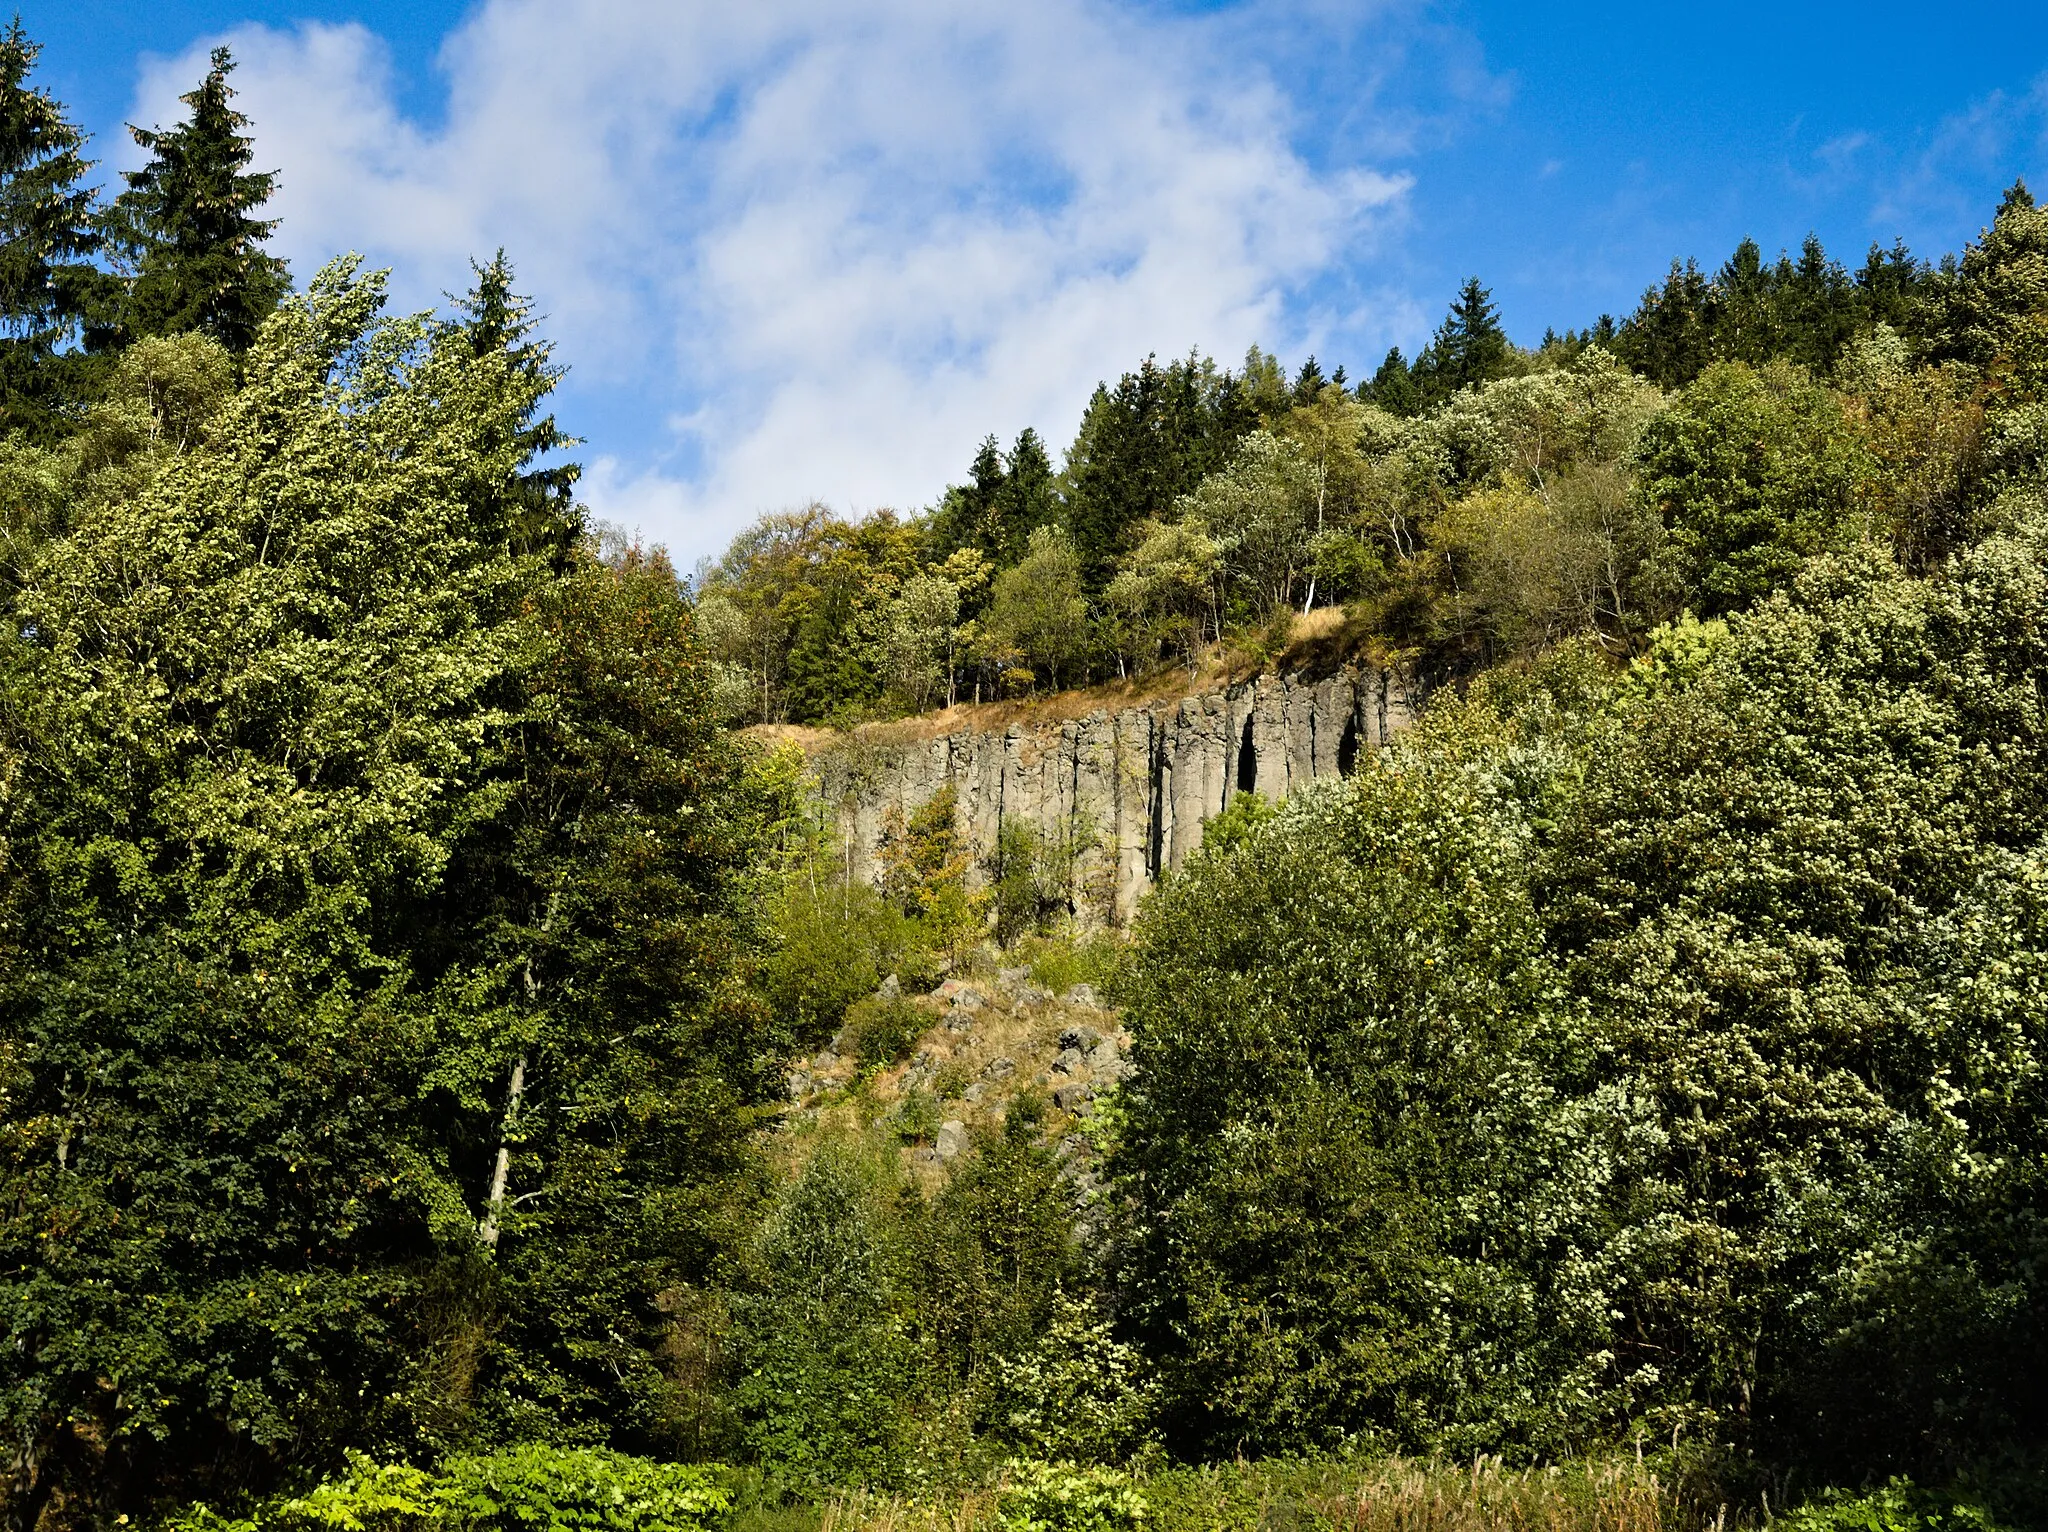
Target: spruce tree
{"points": [[1669, 339], [1393, 387], [1469, 347], [47, 239], [967, 516], [1028, 499], [188, 222], [535, 504]]}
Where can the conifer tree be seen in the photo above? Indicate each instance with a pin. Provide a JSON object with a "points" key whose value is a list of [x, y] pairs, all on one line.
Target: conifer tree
{"points": [[47, 239], [188, 222], [1392, 388], [535, 506], [1669, 338], [1469, 347], [1029, 498], [966, 517]]}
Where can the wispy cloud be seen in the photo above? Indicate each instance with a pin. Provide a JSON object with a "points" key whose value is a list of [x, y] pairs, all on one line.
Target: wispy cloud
{"points": [[803, 248], [2000, 130]]}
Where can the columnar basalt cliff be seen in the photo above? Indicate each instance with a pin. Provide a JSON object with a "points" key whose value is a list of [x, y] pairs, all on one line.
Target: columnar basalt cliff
{"points": [[1128, 790]]}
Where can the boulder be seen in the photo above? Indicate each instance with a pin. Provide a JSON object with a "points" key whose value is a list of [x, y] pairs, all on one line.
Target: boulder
{"points": [[952, 1138], [1070, 1060]]}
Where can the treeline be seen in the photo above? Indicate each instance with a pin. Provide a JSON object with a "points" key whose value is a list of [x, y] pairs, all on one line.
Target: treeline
{"points": [[1478, 503]]}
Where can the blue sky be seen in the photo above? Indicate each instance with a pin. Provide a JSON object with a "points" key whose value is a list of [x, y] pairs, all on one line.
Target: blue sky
{"points": [[803, 249]]}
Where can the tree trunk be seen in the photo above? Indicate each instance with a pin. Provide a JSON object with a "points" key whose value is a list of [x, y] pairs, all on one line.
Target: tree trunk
{"points": [[487, 1231]]}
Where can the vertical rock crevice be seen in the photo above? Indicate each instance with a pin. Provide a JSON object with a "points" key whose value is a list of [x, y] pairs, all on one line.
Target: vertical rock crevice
{"points": [[1130, 789]]}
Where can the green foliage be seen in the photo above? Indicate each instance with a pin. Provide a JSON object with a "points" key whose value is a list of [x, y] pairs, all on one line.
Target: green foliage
{"points": [[1058, 1497], [1898, 1507], [834, 943], [827, 1376], [1224, 832], [1668, 1062], [1077, 1395], [48, 236], [990, 1252], [1060, 962], [187, 223], [882, 1029], [1038, 619], [1032, 884], [1334, 1128], [377, 897], [530, 1488], [1751, 473], [925, 868], [1468, 349]]}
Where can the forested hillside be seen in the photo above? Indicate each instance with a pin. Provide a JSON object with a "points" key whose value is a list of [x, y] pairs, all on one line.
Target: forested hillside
{"points": [[449, 1080]]}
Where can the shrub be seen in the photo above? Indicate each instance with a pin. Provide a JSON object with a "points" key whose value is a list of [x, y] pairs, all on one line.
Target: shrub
{"points": [[1898, 1507], [834, 942], [1058, 1497], [1077, 1393], [882, 1029], [529, 1488], [1061, 962]]}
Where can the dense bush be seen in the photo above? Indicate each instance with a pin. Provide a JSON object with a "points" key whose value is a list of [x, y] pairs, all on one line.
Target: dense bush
{"points": [[533, 1488], [1057, 1497], [1672, 1063]]}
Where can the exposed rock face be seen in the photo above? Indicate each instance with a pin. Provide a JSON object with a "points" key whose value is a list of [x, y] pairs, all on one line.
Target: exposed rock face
{"points": [[1127, 791]]}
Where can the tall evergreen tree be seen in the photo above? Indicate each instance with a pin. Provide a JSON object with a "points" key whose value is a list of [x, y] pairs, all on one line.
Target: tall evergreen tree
{"points": [[967, 515], [47, 240], [535, 504], [1892, 287], [1392, 388], [188, 222], [1669, 339], [1469, 347], [1028, 499]]}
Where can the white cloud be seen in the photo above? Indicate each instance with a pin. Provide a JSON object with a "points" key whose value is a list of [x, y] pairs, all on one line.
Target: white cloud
{"points": [[809, 249]]}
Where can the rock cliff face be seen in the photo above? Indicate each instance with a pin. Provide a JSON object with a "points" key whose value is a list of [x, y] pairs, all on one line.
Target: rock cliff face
{"points": [[1127, 791]]}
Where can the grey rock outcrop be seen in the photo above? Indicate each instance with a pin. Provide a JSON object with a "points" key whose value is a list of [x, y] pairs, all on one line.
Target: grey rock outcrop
{"points": [[1126, 792]]}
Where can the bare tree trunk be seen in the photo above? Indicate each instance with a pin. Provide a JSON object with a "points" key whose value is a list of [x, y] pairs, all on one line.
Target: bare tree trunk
{"points": [[487, 1231]]}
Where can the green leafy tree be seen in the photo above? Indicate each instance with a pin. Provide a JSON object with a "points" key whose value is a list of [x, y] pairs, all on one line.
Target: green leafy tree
{"points": [[48, 238], [827, 1373], [986, 1260], [377, 898], [188, 224], [1751, 473], [1799, 896], [1335, 1130], [1039, 612]]}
